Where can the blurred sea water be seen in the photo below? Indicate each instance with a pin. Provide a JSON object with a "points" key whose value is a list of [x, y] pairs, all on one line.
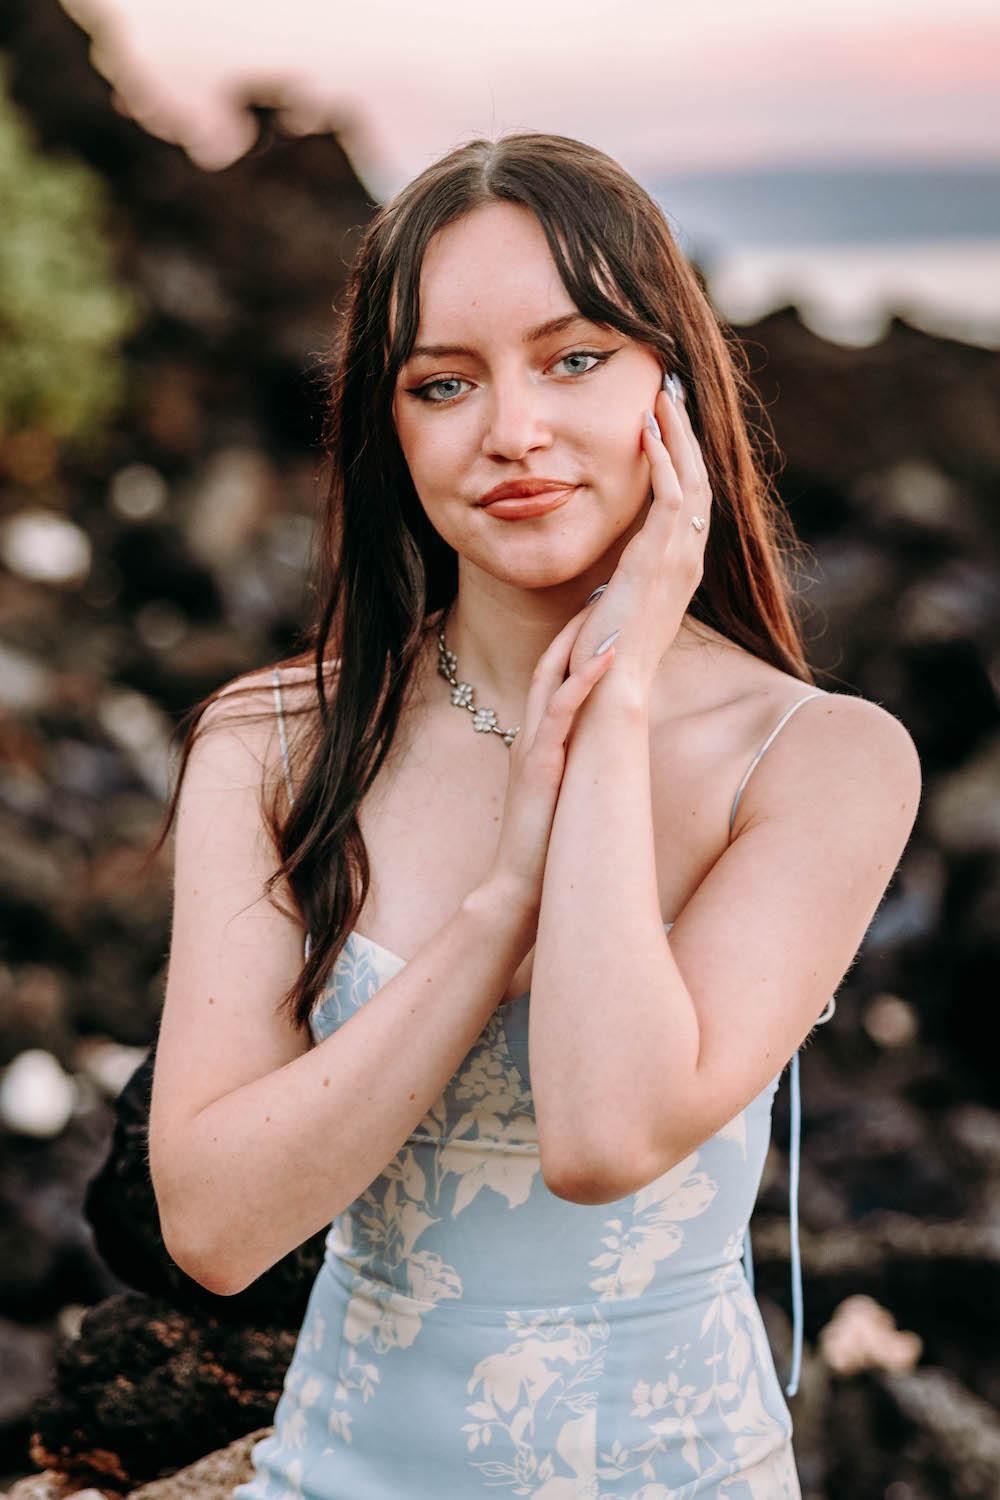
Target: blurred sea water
{"points": [[850, 246]]}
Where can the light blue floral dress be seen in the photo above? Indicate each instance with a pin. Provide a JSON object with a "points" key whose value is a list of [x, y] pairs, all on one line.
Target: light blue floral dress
{"points": [[469, 1333]]}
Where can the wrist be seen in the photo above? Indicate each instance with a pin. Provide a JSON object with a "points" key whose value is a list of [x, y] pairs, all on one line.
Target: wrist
{"points": [[623, 697], [501, 895]]}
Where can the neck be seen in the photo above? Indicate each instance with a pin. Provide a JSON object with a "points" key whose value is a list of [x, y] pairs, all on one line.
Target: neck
{"points": [[497, 643], [498, 637]]}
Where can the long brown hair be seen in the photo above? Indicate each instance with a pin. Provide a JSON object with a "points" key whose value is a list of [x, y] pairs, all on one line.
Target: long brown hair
{"points": [[382, 570]]}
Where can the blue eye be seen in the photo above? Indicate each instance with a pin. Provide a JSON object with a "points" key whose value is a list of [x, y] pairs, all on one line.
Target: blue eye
{"points": [[583, 354], [423, 392]]}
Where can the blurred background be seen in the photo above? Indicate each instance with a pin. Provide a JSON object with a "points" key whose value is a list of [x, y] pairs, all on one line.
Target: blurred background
{"points": [[182, 189]]}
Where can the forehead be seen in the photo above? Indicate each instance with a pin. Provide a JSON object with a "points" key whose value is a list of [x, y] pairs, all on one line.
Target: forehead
{"points": [[493, 270], [491, 232]]}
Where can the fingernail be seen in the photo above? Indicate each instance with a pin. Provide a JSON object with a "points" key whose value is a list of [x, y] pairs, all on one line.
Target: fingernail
{"points": [[600, 650], [672, 386], [653, 425], [596, 594]]}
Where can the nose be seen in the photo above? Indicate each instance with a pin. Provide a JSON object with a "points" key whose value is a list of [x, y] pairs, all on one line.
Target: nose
{"points": [[515, 418]]}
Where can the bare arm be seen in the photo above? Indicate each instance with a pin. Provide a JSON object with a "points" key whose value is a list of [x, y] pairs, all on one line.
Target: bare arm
{"points": [[257, 1139], [273, 1162], [612, 1022], [643, 1046]]}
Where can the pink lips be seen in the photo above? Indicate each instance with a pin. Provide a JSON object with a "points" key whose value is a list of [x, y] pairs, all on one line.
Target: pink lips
{"points": [[521, 507]]}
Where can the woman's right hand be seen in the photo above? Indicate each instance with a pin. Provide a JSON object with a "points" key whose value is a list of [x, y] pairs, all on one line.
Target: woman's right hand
{"points": [[537, 762]]}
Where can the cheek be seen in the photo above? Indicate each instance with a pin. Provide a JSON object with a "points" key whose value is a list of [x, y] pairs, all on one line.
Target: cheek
{"points": [[431, 456], [622, 466]]}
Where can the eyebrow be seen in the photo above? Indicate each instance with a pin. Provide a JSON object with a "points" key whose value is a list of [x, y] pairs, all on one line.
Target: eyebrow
{"points": [[531, 336]]}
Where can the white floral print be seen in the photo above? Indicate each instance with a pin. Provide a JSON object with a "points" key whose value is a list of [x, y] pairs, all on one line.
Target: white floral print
{"points": [[656, 1383], [654, 1233]]}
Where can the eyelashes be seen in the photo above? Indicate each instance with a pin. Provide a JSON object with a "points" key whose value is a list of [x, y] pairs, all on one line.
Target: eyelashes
{"points": [[422, 392]]}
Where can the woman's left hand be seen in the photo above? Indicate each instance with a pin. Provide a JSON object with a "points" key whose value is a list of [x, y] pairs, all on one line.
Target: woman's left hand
{"points": [[661, 566]]}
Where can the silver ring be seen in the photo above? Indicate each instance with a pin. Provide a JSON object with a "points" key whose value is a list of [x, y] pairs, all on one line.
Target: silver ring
{"points": [[698, 523]]}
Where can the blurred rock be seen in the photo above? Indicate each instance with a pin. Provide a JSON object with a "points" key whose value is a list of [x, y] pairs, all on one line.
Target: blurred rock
{"points": [[36, 1097], [961, 1431], [963, 809], [137, 492], [862, 1336], [229, 505], [138, 728], [108, 1065], [25, 1371], [146, 1389], [890, 1021], [44, 547], [25, 684], [959, 602], [213, 1477], [34, 1011]]}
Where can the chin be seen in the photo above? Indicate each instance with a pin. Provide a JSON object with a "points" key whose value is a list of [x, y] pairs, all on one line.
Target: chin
{"points": [[549, 563]]}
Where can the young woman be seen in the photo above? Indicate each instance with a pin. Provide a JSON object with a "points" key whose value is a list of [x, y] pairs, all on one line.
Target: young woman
{"points": [[538, 946]]}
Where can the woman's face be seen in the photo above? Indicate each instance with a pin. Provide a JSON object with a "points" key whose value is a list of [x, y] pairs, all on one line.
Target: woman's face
{"points": [[496, 401]]}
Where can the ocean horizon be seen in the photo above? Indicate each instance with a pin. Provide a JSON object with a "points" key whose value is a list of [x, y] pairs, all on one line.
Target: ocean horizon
{"points": [[849, 246]]}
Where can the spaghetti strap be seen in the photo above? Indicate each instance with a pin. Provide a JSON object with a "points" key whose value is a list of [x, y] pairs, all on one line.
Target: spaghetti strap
{"points": [[770, 739], [795, 1143], [282, 735], [283, 742]]}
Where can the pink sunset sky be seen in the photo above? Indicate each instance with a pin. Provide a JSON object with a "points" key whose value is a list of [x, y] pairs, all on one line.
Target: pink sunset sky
{"points": [[662, 87]]}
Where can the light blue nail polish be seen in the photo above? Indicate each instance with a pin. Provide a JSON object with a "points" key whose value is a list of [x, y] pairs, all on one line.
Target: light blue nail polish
{"points": [[672, 386], [600, 650], [653, 425]]}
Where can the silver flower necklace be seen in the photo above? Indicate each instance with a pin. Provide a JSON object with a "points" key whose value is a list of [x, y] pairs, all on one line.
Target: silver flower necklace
{"points": [[484, 720], [463, 694]]}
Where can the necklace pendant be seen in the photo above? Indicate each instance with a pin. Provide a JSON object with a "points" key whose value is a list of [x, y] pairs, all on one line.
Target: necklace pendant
{"points": [[484, 720]]}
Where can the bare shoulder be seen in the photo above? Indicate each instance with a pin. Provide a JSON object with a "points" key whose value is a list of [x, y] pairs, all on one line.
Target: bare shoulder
{"points": [[256, 717], [838, 755], [846, 730], [827, 752], [761, 696], [289, 688]]}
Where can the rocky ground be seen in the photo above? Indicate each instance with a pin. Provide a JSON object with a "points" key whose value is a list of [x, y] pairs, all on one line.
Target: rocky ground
{"points": [[137, 580]]}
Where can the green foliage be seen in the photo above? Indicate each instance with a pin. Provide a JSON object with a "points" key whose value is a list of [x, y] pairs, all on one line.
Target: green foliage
{"points": [[62, 312]]}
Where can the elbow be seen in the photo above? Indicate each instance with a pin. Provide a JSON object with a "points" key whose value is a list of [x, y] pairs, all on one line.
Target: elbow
{"points": [[196, 1263], [187, 1235], [595, 1180], [585, 1189], [209, 1271], [203, 1261]]}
